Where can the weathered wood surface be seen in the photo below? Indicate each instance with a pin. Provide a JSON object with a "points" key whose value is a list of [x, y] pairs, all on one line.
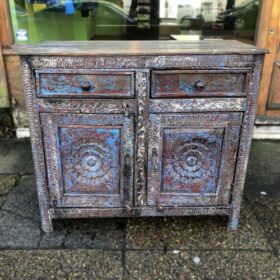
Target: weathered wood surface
{"points": [[4, 97], [197, 105], [274, 94], [192, 158], [245, 143], [62, 213], [137, 48], [268, 36], [199, 61], [6, 30], [99, 84], [140, 182], [85, 158], [199, 83], [15, 86], [93, 106], [37, 146], [141, 155]]}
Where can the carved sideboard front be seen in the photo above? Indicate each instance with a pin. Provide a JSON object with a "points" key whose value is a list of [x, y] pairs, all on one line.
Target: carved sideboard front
{"points": [[140, 128]]}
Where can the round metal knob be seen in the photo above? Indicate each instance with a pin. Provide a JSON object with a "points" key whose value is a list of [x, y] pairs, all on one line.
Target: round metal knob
{"points": [[199, 85], [85, 86]]}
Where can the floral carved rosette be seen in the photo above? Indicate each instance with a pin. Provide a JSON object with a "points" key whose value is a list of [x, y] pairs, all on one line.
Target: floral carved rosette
{"points": [[192, 166], [90, 164]]}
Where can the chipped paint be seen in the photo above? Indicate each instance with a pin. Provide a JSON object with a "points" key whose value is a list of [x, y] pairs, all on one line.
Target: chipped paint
{"points": [[156, 155]]}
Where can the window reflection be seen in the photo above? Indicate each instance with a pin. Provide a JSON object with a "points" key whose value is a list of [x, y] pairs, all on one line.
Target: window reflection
{"points": [[35, 21]]}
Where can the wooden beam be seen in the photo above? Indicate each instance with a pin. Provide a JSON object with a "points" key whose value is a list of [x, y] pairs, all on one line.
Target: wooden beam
{"points": [[4, 96], [6, 28], [268, 35]]}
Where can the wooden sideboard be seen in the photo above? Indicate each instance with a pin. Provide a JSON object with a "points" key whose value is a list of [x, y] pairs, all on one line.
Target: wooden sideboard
{"points": [[130, 129]]}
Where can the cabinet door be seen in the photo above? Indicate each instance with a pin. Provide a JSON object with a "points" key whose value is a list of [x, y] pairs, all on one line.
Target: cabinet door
{"points": [[191, 158], [89, 159]]}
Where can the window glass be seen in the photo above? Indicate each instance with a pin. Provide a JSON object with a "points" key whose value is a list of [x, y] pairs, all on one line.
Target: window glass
{"points": [[35, 21]]}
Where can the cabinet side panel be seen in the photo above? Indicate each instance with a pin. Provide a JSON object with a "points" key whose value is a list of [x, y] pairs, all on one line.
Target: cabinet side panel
{"points": [[245, 142], [37, 145]]}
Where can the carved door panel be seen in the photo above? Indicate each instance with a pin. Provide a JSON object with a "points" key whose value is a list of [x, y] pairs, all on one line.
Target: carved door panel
{"points": [[191, 158], [89, 159]]}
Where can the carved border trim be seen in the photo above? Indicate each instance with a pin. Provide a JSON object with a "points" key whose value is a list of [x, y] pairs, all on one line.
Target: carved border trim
{"points": [[141, 131], [60, 213], [245, 142], [140, 62], [37, 145]]}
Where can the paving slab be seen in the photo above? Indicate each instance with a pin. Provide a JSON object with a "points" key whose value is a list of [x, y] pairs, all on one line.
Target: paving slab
{"points": [[22, 199], [195, 233], [57, 264], [95, 264], [255, 184], [7, 182], [18, 232], [94, 234], [16, 156], [3, 198], [267, 211], [105, 234], [214, 265], [22, 202], [55, 239], [264, 157]]}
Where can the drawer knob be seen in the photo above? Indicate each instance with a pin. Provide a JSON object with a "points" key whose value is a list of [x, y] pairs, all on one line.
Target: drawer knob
{"points": [[85, 86], [199, 85]]}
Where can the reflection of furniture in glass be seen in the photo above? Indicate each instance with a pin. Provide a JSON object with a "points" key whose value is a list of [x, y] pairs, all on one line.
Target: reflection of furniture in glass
{"points": [[91, 20], [138, 129]]}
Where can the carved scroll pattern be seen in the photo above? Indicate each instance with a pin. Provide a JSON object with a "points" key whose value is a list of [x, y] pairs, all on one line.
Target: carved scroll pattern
{"points": [[141, 133], [85, 106], [128, 62]]}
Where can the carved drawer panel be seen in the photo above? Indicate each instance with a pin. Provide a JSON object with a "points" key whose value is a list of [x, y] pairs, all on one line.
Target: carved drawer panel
{"points": [[195, 83], [192, 158], [89, 159], [85, 83]]}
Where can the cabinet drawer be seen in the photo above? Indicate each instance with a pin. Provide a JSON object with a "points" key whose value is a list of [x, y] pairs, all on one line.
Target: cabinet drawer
{"points": [[206, 83], [101, 84]]}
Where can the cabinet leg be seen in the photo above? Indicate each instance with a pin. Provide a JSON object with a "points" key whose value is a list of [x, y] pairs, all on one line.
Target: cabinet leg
{"points": [[233, 222], [47, 224]]}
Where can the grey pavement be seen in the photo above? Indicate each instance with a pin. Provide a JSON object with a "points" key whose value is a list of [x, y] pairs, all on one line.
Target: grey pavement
{"points": [[142, 248]]}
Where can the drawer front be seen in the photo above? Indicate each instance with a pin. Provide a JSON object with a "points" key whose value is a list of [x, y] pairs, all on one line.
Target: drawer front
{"points": [[207, 83], [102, 84]]}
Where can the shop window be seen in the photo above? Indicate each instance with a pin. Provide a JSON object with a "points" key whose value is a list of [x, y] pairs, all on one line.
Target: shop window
{"points": [[35, 21]]}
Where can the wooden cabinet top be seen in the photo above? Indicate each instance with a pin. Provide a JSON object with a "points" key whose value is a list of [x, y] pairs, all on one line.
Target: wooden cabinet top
{"points": [[116, 48]]}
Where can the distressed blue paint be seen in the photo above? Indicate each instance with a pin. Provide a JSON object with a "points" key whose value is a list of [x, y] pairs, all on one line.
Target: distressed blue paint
{"points": [[115, 135], [91, 160], [187, 88], [191, 160], [62, 84]]}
